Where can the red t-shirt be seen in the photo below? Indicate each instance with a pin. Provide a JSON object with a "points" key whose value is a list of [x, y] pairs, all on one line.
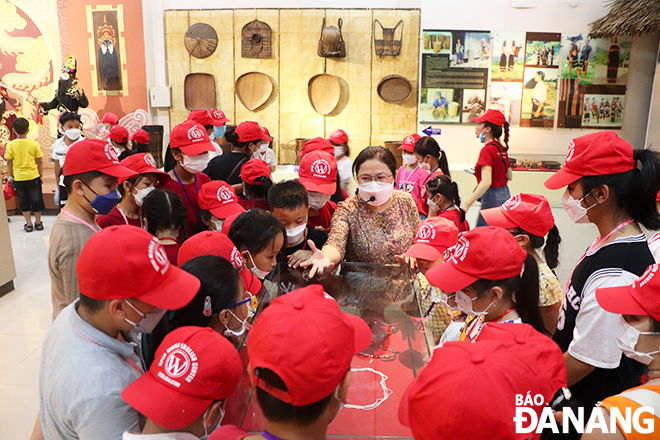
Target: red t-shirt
{"points": [[172, 251], [324, 217], [251, 204], [228, 432], [115, 218], [494, 156], [422, 201], [454, 215], [189, 201]]}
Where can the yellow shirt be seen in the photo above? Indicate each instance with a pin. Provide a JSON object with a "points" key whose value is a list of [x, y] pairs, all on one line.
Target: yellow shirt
{"points": [[440, 316], [24, 153], [549, 288]]}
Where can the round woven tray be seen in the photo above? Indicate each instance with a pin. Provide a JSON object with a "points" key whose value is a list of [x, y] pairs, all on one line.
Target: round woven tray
{"points": [[394, 89], [254, 89], [324, 92], [200, 40]]}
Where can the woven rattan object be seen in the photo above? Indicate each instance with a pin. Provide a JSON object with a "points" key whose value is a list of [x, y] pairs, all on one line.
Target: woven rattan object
{"points": [[254, 89], [324, 92], [200, 40], [394, 89]]}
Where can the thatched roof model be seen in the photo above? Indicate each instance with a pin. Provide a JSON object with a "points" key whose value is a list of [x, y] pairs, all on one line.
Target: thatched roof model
{"points": [[628, 17]]}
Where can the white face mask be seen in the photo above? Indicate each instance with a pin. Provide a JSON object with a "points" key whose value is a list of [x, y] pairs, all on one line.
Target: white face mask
{"points": [[229, 332], [211, 137], [376, 193], [425, 166], [464, 303], [409, 159], [72, 133], [432, 205], [576, 212], [294, 235], [141, 194], [262, 148], [626, 339], [149, 320], [261, 274], [195, 164], [218, 225], [317, 200], [339, 151], [445, 300]]}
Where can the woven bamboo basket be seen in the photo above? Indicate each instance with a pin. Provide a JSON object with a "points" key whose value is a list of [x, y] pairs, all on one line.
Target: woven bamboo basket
{"points": [[254, 89], [324, 92], [394, 89]]}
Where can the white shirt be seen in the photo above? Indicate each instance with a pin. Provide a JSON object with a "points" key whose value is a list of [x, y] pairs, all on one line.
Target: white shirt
{"points": [[268, 156], [654, 246], [345, 172], [58, 152]]}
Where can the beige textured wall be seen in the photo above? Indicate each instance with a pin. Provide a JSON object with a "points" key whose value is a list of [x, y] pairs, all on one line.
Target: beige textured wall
{"points": [[364, 116]]}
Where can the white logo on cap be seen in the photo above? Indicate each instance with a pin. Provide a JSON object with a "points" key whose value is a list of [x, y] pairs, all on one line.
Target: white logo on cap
{"points": [[216, 114], [321, 168], [646, 276], [158, 257], [224, 194], [111, 153], [195, 134], [236, 259], [178, 360], [149, 160], [571, 151], [425, 233], [409, 140], [512, 203], [458, 252]]}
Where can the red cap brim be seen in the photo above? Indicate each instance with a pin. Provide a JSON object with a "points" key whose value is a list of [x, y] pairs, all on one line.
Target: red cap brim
{"points": [[561, 179], [361, 332], [250, 281], [619, 300], [176, 291], [328, 188], [408, 148], [227, 210], [495, 217], [449, 279], [162, 178], [162, 404], [197, 148], [266, 138], [118, 171], [424, 252]]}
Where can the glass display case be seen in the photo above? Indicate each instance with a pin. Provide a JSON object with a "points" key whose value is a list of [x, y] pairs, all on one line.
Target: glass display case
{"points": [[385, 296]]}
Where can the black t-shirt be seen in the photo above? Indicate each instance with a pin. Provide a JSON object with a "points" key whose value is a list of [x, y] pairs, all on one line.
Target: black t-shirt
{"points": [[220, 167], [318, 236], [627, 254]]}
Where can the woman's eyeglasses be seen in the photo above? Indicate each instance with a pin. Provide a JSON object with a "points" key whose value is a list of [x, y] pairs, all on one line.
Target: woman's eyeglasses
{"points": [[381, 178]]}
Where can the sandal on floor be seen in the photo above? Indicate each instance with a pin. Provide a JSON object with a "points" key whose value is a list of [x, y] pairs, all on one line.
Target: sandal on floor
{"points": [[39, 226], [28, 228]]}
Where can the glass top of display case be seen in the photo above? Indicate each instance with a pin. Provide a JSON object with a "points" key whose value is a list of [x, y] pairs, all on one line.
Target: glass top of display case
{"points": [[385, 296]]}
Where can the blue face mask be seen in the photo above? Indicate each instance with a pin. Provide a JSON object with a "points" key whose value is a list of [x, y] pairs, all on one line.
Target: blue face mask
{"points": [[482, 137], [103, 204], [219, 132]]}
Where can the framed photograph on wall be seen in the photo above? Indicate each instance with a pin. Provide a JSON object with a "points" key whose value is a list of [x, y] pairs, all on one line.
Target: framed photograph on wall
{"points": [[508, 57], [539, 97], [596, 61], [465, 48]]}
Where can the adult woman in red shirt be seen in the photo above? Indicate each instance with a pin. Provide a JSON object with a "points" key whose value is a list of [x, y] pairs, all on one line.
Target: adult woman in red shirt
{"points": [[493, 170]]}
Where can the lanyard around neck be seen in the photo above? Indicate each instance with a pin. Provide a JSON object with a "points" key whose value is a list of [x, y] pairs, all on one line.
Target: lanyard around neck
{"points": [[126, 218], [79, 220], [184, 187]]}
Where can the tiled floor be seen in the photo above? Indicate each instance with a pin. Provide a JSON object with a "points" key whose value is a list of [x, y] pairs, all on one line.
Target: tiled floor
{"points": [[25, 315]]}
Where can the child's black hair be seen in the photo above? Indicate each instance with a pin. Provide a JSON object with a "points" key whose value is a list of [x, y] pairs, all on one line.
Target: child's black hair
{"points": [[551, 250], [133, 181], [427, 145], [497, 130], [86, 178], [170, 161], [163, 209], [288, 195], [69, 116], [447, 188], [21, 126], [258, 192], [140, 148], [232, 137], [254, 230]]}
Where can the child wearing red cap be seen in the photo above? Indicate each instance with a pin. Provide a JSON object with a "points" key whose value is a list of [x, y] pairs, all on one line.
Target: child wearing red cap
{"points": [[289, 203], [90, 179], [139, 141], [614, 187], [70, 125], [638, 336], [255, 175], [318, 173], [443, 201], [529, 218], [266, 153], [214, 121], [164, 217], [90, 353], [432, 239], [133, 191], [490, 278], [433, 159], [108, 121], [493, 170], [185, 393], [217, 201], [410, 177], [339, 140], [186, 158], [300, 352], [118, 138]]}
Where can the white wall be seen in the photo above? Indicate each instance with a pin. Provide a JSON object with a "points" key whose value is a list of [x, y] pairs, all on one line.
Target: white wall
{"points": [[518, 15]]}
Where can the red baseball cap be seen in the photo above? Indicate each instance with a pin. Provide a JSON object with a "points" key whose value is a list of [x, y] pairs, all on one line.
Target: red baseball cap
{"points": [[218, 117], [135, 265], [339, 137], [409, 142], [640, 298], [432, 239], [486, 252], [119, 134], [465, 379], [143, 163], [529, 212], [226, 225], [493, 116], [306, 340], [220, 198], [266, 132], [191, 138], [255, 172], [110, 118], [192, 368], [140, 136], [94, 155], [250, 131], [594, 154], [318, 172], [203, 117], [318, 143]]}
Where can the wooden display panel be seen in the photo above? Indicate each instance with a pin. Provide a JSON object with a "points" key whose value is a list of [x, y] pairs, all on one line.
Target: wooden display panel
{"points": [[178, 62]]}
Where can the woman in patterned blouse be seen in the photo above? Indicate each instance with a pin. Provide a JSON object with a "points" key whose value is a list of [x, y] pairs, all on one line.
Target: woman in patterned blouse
{"points": [[374, 225]]}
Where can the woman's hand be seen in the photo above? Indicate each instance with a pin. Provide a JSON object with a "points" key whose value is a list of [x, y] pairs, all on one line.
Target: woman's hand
{"points": [[409, 261], [299, 257], [318, 261]]}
